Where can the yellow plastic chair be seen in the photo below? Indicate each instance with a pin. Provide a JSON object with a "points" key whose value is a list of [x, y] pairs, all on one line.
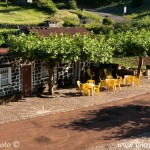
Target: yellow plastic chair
{"points": [[102, 83], [111, 84], [80, 86], [137, 79], [91, 81], [130, 80], [90, 73], [118, 82], [97, 88], [119, 77], [87, 89]]}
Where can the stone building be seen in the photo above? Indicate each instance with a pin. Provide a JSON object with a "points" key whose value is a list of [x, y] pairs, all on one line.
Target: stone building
{"points": [[28, 78], [16, 77]]}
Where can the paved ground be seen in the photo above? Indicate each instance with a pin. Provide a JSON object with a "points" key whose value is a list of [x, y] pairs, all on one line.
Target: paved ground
{"points": [[97, 122], [66, 100], [81, 129]]}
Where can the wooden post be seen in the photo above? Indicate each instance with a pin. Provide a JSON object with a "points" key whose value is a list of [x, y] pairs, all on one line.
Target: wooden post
{"points": [[140, 65]]}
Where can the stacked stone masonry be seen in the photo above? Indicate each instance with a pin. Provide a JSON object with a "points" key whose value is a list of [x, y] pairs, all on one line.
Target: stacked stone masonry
{"points": [[16, 78]]}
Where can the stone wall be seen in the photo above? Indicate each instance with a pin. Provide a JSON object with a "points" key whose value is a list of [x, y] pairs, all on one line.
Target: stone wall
{"points": [[38, 81], [16, 76], [15, 86]]}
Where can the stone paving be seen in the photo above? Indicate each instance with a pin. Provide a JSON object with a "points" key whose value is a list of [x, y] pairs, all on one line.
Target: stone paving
{"points": [[67, 100]]}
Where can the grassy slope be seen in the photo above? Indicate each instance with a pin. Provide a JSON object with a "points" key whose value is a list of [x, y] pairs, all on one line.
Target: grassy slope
{"points": [[73, 16], [141, 15], [20, 15]]}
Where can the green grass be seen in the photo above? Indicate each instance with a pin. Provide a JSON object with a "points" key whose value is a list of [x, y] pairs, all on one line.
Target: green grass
{"points": [[24, 15], [6, 30], [86, 14], [128, 62], [64, 15], [73, 17], [93, 20], [21, 15]]}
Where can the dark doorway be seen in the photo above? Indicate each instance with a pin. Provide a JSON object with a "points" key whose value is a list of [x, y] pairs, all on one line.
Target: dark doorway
{"points": [[26, 80]]}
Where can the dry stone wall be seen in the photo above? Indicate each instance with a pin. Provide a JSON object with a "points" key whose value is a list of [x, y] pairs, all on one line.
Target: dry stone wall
{"points": [[16, 79]]}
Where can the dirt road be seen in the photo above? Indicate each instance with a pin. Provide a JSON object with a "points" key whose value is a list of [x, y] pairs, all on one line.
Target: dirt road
{"points": [[112, 16], [80, 129]]}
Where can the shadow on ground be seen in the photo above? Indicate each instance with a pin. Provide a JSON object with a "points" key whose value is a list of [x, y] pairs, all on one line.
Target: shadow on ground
{"points": [[72, 94], [11, 98], [119, 121]]}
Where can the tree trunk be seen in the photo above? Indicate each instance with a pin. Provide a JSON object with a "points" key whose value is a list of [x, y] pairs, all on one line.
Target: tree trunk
{"points": [[50, 68], [140, 65], [51, 81], [6, 3]]}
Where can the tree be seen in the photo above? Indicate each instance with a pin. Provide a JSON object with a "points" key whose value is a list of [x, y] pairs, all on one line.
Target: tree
{"points": [[58, 48], [47, 5], [1, 39], [6, 3], [107, 21], [130, 43], [72, 4]]}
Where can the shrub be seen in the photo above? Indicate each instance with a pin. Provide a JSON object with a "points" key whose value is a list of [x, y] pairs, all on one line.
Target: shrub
{"points": [[122, 26], [70, 22], [61, 6], [105, 29], [65, 18], [107, 21], [95, 30], [4, 35], [1, 39], [142, 23], [47, 5], [72, 4]]}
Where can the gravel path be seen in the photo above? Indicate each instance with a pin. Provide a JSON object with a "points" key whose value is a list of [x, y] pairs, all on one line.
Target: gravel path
{"points": [[113, 17], [69, 99], [83, 129]]}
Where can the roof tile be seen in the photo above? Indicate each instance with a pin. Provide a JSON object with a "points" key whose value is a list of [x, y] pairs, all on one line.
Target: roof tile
{"points": [[4, 51], [67, 30]]}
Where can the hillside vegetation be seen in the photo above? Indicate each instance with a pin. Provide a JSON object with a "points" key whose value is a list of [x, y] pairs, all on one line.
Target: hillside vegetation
{"points": [[21, 15], [33, 15], [67, 13], [118, 8]]}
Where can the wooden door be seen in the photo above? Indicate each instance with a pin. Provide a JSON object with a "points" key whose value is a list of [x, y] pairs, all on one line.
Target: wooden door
{"points": [[27, 78]]}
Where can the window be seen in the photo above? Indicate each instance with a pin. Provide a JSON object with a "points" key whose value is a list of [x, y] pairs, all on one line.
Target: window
{"points": [[5, 76], [44, 72]]}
